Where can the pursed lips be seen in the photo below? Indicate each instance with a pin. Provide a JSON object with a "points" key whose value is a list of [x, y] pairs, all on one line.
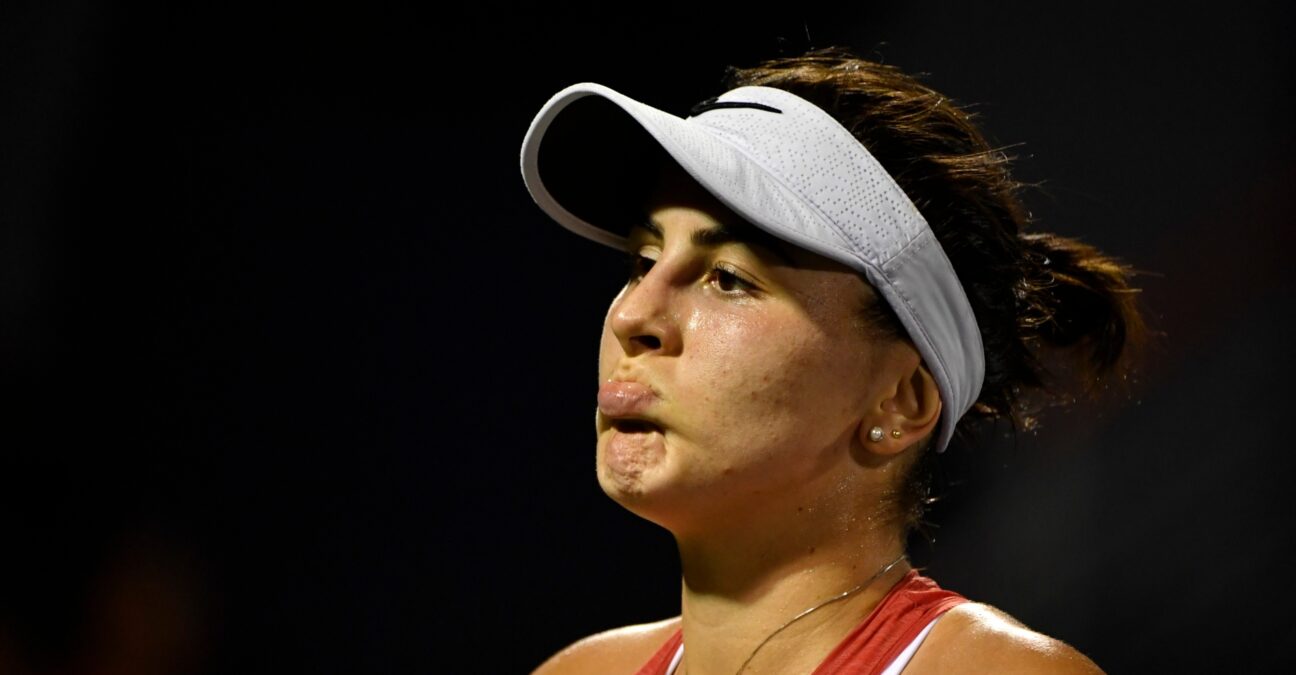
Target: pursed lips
{"points": [[621, 401]]}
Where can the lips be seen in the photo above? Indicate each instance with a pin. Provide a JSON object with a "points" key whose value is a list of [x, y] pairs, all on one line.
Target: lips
{"points": [[619, 399], [627, 406]]}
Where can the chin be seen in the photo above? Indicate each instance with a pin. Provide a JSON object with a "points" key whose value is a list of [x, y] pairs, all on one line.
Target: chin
{"points": [[622, 485], [628, 460], [635, 493]]}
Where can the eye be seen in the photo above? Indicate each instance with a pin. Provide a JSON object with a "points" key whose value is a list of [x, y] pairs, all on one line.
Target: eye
{"points": [[728, 280]]}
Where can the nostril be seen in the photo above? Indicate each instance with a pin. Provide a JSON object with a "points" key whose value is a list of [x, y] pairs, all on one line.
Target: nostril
{"points": [[647, 341]]}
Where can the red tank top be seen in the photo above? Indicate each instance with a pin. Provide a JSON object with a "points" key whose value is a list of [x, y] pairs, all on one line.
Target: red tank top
{"points": [[911, 604]]}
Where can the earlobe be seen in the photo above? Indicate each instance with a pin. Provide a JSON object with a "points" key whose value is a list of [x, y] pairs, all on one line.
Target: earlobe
{"points": [[910, 412], [880, 440]]}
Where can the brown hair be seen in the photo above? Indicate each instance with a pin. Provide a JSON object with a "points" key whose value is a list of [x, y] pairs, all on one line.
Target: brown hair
{"points": [[1030, 291]]}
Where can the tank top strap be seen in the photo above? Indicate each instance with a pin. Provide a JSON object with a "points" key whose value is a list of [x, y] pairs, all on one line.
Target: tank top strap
{"points": [[911, 605], [660, 662]]}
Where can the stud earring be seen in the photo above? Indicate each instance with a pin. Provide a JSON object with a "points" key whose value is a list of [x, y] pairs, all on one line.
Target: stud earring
{"points": [[895, 433], [875, 434]]}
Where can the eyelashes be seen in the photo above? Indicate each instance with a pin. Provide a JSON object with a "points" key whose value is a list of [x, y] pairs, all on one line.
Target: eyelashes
{"points": [[728, 280]]}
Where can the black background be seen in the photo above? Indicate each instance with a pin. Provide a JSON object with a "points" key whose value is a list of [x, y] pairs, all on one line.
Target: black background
{"points": [[296, 377]]}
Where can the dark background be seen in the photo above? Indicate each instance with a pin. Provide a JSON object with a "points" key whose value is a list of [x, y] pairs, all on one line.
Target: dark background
{"points": [[296, 378]]}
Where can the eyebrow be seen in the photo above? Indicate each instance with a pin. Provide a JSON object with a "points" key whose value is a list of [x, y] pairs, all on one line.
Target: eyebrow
{"points": [[720, 235]]}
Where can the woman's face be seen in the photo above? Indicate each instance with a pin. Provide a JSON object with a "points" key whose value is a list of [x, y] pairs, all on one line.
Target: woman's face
{"points": [[735, 370]]}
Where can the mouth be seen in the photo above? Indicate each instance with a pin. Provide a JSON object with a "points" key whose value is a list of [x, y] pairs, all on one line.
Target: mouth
{"points": [[627, 425]]}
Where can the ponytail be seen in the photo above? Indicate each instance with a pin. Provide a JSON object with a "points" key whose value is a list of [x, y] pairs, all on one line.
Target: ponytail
{"points": [[1073, 298]]}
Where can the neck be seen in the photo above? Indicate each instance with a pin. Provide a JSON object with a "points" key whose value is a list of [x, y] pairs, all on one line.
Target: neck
{"points": [[746, 581]]}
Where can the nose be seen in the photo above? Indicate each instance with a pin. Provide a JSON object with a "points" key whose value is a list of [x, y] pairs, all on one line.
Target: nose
{"points": [[644, 317]]}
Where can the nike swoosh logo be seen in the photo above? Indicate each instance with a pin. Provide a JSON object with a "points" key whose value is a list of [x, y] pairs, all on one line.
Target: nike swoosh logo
{"points": [[713, 104]]}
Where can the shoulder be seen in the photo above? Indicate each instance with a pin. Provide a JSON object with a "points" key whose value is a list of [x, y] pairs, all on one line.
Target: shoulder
{"points": [[617, 650], [973, 637]]}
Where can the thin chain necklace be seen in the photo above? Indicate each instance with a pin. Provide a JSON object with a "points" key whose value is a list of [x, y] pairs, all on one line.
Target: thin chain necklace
{"points": [[842, 596]]}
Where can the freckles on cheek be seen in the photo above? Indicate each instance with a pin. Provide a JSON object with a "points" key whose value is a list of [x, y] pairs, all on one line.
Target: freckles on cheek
{"points": [[801, 374], [783, 385], [747, 360]]}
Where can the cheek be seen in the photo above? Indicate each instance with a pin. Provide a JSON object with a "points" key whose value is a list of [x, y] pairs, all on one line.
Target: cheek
{"points": [[778, 374]]}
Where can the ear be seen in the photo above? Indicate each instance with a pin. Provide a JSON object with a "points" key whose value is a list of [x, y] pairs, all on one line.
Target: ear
{"points": [[906, 407]]}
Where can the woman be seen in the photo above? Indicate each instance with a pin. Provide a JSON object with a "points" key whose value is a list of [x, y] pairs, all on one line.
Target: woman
{"points": [[829, 279]]}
